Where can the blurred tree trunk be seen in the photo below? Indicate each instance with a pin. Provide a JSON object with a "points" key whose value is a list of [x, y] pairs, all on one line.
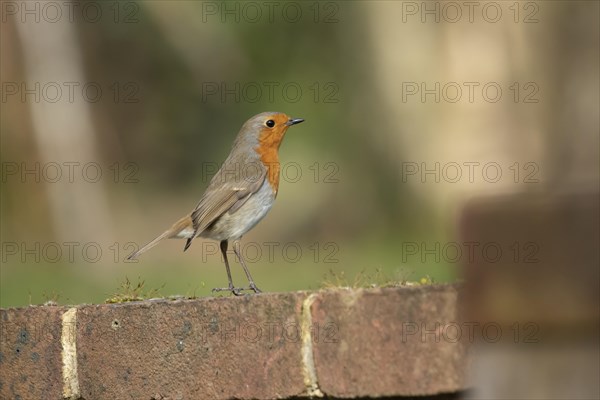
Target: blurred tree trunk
{"points": [[64, 131], [542, 129]]}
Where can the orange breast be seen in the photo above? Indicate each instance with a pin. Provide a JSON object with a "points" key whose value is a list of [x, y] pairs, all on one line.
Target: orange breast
{"points": [[268, 149], [270, 158]]}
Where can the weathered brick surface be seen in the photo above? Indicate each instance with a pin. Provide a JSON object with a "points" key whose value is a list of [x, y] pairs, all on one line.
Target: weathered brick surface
{"points": [[341, 343], [381, 347], [215, 348], [30, 353]]}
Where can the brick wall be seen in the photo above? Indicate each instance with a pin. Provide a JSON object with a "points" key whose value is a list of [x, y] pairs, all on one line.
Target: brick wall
{"points": [[337, 343]]}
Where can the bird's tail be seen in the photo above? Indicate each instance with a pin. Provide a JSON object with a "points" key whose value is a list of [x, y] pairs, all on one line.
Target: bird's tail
{"points": [[180, 229]]}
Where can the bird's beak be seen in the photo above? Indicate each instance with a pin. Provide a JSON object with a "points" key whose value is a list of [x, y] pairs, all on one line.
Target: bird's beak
{"points": [[294, 121]]}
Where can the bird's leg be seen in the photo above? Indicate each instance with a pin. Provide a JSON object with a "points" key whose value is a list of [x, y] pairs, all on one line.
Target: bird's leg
{"points": [[238, 253], [230, 288]]}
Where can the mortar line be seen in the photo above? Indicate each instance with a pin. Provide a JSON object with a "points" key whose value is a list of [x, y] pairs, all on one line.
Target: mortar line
{"points": [[68, 341], [308, 362]]}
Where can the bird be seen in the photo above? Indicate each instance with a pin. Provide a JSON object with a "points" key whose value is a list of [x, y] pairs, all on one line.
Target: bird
{"points": [[239, 195]]}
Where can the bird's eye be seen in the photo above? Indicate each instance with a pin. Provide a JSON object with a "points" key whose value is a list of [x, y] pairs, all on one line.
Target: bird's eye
{"points": [[270, 123]]}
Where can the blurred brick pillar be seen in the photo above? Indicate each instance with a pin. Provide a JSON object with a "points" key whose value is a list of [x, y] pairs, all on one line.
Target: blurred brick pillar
{"points": [[532, 287]]}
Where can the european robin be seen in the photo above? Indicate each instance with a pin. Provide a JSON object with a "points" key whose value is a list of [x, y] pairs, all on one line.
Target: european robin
{"points": [[239, 195]]}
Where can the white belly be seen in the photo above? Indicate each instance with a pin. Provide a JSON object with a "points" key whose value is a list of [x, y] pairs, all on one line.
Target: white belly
{"points": [[231, 226]]}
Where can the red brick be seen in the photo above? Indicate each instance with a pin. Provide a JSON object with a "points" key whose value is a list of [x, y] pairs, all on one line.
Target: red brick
{"points": [[30, 353], [217, 348], [369, 351]]}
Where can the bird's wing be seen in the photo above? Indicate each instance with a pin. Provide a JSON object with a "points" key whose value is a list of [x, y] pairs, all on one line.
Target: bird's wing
{"points": [[226, 192]]}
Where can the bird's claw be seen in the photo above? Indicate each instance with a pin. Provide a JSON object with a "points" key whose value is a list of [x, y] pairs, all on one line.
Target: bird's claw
{"points": [[254, 287], [238, 291], [234, 290]]}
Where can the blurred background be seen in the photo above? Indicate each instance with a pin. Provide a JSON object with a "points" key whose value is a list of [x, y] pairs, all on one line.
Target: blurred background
{"points": [[443, 141], [116, 115]]}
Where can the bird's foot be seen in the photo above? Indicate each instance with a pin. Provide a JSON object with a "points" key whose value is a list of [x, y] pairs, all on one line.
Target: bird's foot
{"points": [[234, 290], [238, 291], [253, 286]]}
